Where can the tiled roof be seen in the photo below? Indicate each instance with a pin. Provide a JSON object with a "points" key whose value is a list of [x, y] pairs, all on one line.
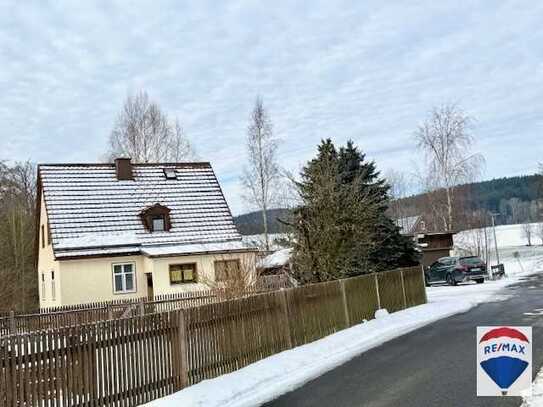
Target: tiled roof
{"points": [[89, 210]]}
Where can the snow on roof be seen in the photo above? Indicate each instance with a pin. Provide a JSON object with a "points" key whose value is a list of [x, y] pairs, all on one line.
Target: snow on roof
{"points": [[408, 224], [89, 209], [258, 240], [277, 259], [98, 240], [195, 248]]}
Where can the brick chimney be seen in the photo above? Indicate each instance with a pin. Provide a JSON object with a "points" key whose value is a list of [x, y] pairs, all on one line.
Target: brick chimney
{"points": [[123, 169]]}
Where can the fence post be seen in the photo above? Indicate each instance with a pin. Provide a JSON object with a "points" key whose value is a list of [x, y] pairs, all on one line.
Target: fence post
{"points": [[423, 283], [345, 305], [12, 324], [403, 290], [182, 334], [284, 311], [377, 290]]}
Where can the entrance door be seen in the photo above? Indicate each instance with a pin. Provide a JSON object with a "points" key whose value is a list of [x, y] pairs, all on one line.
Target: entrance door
{"points": [[150, 293]]}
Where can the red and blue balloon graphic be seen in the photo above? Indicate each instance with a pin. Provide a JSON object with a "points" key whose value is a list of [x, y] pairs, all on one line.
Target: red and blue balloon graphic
{"points": [[507, 344]]}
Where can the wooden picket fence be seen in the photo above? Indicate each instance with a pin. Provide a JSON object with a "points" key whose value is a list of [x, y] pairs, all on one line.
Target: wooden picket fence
{"points": [[130, 361], [72, 315]]}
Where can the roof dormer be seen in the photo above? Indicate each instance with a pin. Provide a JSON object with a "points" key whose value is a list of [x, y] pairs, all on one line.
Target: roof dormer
{"points": [[156, 218]]}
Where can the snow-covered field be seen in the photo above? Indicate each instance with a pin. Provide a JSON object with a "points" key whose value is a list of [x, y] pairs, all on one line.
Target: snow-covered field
{"points": [[267, 379]]}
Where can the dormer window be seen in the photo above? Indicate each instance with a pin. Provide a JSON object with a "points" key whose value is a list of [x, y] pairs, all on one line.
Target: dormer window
{"points": [[170, 173], [158, 223], [156, 218]]}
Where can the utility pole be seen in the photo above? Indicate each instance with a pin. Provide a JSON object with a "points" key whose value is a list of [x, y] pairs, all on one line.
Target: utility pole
{"points": [[485, 227], [493, 215]]}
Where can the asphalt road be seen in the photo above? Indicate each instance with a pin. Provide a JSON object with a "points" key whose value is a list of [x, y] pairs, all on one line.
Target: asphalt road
{"points": [[432, 366]]}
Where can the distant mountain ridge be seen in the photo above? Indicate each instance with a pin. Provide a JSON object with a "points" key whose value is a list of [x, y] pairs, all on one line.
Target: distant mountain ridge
{"points": [[251, 223], [489, 195]]}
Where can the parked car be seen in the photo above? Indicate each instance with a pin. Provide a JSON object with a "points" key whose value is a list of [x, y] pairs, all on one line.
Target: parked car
{"points": [[454, 270]]}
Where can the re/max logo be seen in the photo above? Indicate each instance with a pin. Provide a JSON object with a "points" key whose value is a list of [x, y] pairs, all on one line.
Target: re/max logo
{"points": [[505, 347]]}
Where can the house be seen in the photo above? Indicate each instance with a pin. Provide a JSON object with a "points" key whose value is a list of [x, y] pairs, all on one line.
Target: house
{"points": [[409, 225], [433, 245], [274, 269], [123, 230]]}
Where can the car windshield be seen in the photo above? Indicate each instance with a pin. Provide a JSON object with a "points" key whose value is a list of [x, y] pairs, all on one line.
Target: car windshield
{"points": [[470, 260]]}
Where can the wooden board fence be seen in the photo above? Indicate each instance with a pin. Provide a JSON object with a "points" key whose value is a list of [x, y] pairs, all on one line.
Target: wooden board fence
{"points": [[73, 315], [115, 363], [130, 361]]}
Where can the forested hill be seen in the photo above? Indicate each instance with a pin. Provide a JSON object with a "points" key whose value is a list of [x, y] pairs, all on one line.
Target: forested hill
{"points": [[493, 195], [490, 194], [251, 223]]}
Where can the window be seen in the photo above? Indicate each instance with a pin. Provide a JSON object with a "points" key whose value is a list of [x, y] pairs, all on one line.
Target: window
{"points": [[170, 173], [124, 280], [159, 223], [182, 273], [225, 269], [48, 234], [42, 236], [43, 286], [53, 290]]}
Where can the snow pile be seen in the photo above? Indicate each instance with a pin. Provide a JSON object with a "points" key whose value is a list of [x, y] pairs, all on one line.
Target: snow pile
{"points": [[278, 259], [381, 313]]}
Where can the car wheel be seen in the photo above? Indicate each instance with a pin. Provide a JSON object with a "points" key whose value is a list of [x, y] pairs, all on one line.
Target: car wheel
{"points": [[426, 281], [480, 280]]}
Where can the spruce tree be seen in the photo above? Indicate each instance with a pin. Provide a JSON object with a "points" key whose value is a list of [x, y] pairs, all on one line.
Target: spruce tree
{"points": [[392, 249], [341, 228]]}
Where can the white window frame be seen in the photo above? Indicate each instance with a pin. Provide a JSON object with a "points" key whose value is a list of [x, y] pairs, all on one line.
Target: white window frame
{"points": [[124, 273], [161, 218]]}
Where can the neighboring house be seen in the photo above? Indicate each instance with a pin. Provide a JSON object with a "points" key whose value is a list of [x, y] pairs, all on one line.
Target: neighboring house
{"points": [[123, 230], [410, 224], [433, 245], [274, 269]]}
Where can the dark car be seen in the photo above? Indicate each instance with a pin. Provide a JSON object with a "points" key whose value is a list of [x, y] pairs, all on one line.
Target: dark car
{"points": [[454, 270]]}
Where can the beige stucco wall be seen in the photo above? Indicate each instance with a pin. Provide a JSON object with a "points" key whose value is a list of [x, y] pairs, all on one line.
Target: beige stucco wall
{"points": [[89, 280], [47, 265], [205, 270]]}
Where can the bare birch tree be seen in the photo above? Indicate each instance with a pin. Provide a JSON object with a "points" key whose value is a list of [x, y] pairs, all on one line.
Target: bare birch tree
{"points": [[447, 143], [261, 174], [539, 231], [399, 187], [145, 133], [527, 232]]}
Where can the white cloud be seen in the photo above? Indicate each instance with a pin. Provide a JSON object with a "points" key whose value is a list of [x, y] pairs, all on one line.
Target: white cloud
{"points": [[366, 71]]}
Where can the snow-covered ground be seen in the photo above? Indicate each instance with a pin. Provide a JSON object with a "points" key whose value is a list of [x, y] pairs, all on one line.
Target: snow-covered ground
{"points": [[258, 240], [536, 399], [509, 237], [268, 378]]}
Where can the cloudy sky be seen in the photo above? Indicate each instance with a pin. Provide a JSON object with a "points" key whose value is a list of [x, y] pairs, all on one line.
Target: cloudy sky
{"points": [[369, 71]]}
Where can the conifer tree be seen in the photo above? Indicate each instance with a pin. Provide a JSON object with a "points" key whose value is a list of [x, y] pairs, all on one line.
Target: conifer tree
{"points": [[341, 229]]}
